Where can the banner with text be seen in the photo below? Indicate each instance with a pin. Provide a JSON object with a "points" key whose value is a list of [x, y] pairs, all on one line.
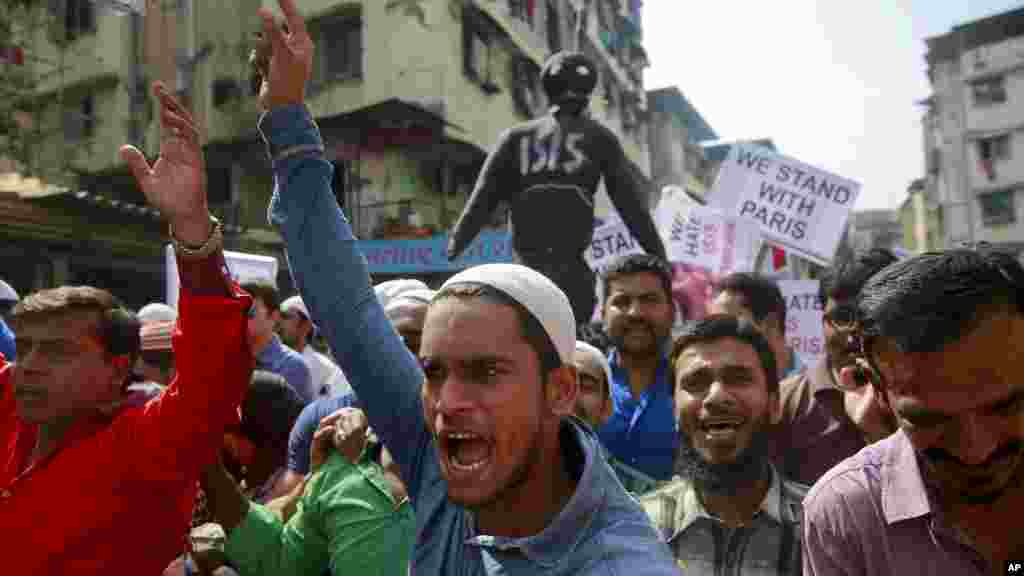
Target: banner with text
{"points": [[803, 319], [797, 206]]}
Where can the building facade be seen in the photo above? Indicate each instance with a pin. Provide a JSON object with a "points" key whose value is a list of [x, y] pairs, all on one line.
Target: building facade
{"points": [[409, 95], [973, 129], [676, 130]]}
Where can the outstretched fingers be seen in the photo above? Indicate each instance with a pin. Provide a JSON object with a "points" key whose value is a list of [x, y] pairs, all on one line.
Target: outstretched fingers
{"points": [[296, 24], [138, 165]]}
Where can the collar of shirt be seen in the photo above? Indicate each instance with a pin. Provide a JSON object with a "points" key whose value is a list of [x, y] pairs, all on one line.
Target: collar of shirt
{"points": [[904, 494], [621, 377], [569, 528], [689, 507], [271, 353]]}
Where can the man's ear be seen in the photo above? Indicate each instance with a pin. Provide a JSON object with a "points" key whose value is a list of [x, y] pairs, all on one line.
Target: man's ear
{"points": [[561, 390]]}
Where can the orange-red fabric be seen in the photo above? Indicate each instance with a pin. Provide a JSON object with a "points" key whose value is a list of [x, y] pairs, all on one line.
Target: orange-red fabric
{"points": [[116, 496]]}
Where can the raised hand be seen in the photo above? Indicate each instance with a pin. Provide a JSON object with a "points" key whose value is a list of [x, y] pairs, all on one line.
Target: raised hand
{"points": [[344, 431], [176, 183], [283, 58]]}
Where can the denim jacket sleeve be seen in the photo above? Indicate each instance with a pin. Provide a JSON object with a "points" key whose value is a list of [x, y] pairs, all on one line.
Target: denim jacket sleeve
{"points": [[332, 276]]}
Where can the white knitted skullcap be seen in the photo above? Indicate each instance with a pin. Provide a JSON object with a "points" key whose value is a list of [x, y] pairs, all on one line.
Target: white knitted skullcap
{"points": [[408, 302], [391, 289], [294, 303], [587, 348], [157, 312], [539, 295], [7, 293]]}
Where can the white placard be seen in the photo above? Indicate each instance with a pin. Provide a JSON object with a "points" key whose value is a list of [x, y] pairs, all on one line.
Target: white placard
{"points": [[804, 332], [796, 206], [611, 240], [243, 268], [709, 239]]}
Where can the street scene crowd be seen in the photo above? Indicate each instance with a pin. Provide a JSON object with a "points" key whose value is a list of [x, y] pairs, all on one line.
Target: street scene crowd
{"points": [[485, 427]]}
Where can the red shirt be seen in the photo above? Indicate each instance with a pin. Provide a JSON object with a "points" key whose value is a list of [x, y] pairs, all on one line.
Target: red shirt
{"points": [[115, 497]]}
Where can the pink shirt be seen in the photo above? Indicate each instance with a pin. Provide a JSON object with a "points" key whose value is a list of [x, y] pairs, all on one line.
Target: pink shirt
{"points": [[872, 515]]}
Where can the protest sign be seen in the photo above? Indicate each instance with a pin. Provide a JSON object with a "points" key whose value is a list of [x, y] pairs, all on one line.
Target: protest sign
{"points": [[797, 206], [707, 238], [803, 319], [243, 268], [611, 240]]}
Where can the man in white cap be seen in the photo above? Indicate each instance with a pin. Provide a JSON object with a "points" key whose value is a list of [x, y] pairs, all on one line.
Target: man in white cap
{"points": [[8, 298], [503, 481], [297, 330]]}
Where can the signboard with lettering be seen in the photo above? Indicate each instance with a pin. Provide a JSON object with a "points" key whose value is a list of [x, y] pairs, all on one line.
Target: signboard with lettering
{"points": [[707, 238], [611, 240], [804, 332], [796, 206], [431, 254]]}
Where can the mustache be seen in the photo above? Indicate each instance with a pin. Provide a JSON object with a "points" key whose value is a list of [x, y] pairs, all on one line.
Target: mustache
{"points": [[940, 456]]}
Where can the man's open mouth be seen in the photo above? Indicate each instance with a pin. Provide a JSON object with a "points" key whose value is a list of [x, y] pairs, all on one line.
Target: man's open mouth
{"points": [[720, 428], [466, 452]]}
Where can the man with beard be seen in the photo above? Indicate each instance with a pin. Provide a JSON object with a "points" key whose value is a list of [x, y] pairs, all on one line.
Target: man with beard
{"points": [[824, 421], [638, 314], [503, 482], [729, 512], [940, 338]]}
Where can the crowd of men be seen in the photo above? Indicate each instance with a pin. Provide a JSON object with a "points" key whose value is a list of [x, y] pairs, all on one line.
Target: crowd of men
{"points": [[481, 428]]}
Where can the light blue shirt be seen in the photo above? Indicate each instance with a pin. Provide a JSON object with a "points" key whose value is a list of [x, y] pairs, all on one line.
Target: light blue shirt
{"points": [[289, 364], [6, 342], [601, 531]]}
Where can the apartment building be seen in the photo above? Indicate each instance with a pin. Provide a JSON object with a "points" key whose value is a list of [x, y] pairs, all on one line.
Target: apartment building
{"points": [[973, 131], [676, 130], [409, 95]]}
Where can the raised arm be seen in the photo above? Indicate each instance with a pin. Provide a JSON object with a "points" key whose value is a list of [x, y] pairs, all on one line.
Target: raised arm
{"points": [[212, 355], [326, 264], [484, 200], [623, 190]]}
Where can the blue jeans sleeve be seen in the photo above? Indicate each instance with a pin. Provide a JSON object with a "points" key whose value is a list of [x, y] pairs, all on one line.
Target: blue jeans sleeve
{"points": [[332, 276]]}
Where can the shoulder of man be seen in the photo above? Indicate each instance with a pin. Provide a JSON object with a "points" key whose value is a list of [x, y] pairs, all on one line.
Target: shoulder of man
{"points": [[666, 504], [794, 393]]}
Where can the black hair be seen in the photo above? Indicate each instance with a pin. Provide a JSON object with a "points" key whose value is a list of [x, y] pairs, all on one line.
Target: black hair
{"points": [[931, 300], [636, 264], [844, 280], [269, 411], [530, 327], [593, 333], [719, 326], [266, 293], [760, 294]]}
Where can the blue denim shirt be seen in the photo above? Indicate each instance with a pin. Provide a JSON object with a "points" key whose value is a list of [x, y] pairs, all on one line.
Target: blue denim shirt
{"points": [[282, 360], [6, 341], [641, 432], [601, 531]]}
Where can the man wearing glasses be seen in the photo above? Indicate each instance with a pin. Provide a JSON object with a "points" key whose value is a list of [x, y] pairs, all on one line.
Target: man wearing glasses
{"points": [[938, 337], [822, 420]]}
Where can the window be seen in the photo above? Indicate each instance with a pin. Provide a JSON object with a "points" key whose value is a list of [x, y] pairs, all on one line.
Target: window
{"points": [[478, 51], [80, 120], [994, 148], [522, 10], [989, 91], [554, 27], [79, 18], [997, 207], [339, 53]]}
